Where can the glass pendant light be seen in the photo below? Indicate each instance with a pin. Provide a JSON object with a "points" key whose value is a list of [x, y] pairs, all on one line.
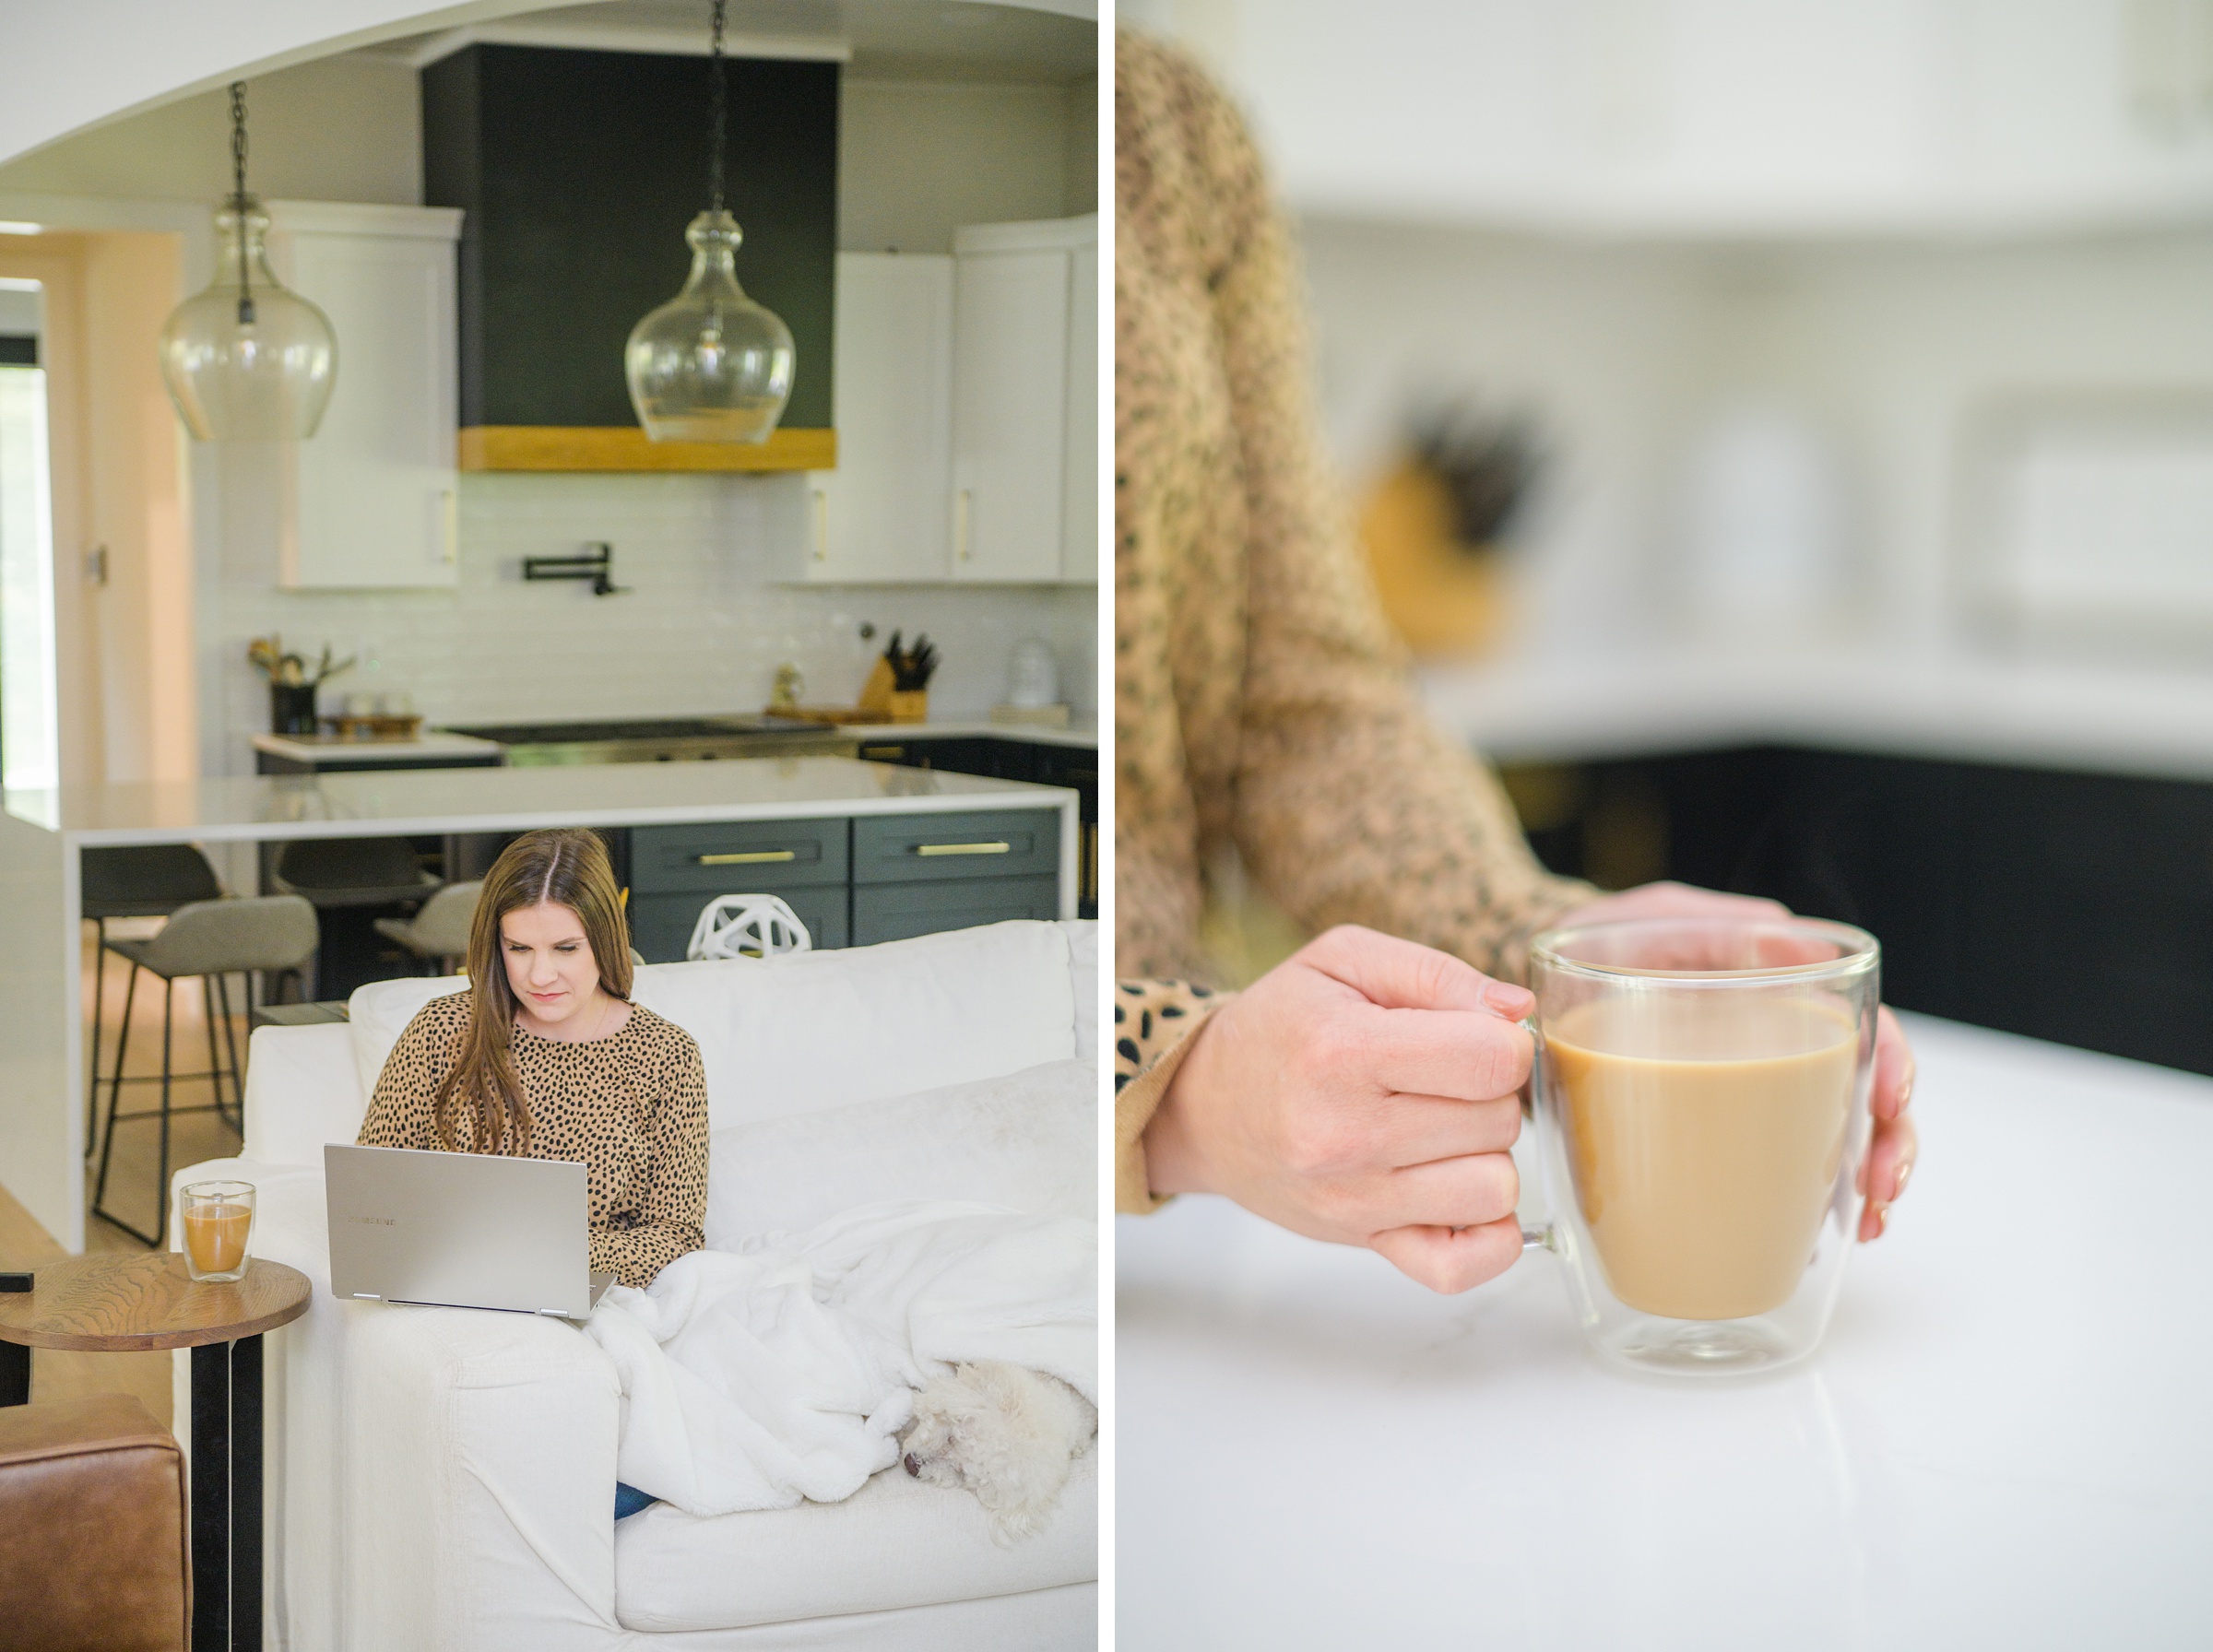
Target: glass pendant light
{"points": [[710, 365], [247, 360]]}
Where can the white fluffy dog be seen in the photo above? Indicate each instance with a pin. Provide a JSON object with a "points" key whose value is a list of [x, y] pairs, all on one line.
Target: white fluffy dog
{"points": [[1006, 1434]]}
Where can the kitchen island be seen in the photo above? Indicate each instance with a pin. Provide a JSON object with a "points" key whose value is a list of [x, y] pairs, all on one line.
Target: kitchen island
{"points": [[41, 835]]}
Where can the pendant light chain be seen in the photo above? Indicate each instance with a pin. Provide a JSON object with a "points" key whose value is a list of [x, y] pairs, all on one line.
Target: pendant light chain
{"points": [[718, 96], [238, 197]]}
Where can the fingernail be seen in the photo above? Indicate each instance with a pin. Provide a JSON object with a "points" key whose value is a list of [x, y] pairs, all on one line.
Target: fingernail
{"points": [[1882, 1219], [1899, 1189], [1508, 999]]}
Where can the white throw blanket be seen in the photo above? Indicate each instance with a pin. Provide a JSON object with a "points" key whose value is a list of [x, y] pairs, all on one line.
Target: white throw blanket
{"points": [[752, 1379]]}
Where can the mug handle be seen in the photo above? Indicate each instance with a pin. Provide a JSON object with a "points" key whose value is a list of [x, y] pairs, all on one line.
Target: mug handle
{"points": [[1547, 1236]]}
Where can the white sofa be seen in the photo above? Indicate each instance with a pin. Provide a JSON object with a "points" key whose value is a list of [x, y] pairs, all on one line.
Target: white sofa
{"points": [[440, 1478]]}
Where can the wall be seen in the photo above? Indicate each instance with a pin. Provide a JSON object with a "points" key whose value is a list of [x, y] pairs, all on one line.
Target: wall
{"points": [[699, 628], [1626, 350], [345, 129], [142, 618], [917, 159], [125, 651]]}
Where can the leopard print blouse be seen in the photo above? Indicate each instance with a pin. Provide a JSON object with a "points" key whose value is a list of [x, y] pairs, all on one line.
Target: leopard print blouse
{"points": [[631, 1108], [1260, 700]]}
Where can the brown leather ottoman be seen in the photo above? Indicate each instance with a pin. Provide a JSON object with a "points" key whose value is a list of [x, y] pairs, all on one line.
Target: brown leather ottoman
{"points": [[92, 1509]]}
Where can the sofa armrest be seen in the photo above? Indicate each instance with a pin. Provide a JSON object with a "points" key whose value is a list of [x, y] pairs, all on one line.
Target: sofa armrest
{"points": [[481, 1469], [438, 1477]]}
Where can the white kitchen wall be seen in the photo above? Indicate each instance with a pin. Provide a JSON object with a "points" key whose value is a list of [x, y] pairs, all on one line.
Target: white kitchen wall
{"points": [[699, 628], [1625, 348]]}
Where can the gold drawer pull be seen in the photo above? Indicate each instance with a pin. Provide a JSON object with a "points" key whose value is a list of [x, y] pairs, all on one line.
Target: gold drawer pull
{"points": [[963, 848], [751, 857]]}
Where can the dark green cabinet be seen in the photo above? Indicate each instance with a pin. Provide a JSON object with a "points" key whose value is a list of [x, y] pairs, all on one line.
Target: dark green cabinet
{"points": [[1001, 758], [900, 911], [852, 882], [577, 171]]}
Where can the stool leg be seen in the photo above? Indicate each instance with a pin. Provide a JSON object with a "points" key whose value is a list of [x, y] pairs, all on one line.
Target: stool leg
{"points": [[238, 1073], [122, 1044], [100, 981], [169, 994], [215, 1060]]}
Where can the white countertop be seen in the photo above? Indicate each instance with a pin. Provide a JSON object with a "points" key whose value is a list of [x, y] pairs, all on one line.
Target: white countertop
{"points": [[409, 802], [1652, 700], [429, 746], [2005, 1440]]}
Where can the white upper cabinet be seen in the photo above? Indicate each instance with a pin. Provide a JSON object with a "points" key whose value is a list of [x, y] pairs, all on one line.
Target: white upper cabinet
{"points": [[1727, 117], [1017, 476], [372, 494], [883, 515]]}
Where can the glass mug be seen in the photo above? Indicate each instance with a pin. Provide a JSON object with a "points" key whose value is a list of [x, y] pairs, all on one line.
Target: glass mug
{"points": [[216, 1220], [1701, 1092]]}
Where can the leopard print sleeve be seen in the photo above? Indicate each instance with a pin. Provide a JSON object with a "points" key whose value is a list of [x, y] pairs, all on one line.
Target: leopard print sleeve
{"points": [[671, 1217], [1154, 1021], [399, 1111]]}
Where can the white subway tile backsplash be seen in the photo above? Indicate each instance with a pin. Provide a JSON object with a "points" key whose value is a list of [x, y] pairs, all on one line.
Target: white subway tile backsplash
{"points": [[699, 625]]}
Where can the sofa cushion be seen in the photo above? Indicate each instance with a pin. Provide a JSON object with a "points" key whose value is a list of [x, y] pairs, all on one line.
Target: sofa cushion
{"points": [[1028, 1140], [897, 1542], [1084, 975], [302, 1090], [820, 1030]]}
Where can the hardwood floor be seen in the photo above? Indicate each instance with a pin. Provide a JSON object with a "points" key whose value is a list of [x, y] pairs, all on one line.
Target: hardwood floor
{"points": [[134, 1184]]}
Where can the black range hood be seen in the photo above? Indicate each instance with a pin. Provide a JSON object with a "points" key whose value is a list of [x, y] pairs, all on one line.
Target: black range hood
{"points": [[577, 171]]}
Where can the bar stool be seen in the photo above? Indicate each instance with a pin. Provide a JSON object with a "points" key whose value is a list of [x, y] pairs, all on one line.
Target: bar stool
{"points": [[347, 878], [271, 934], [150, 881], [352, 871], [439, 933]]}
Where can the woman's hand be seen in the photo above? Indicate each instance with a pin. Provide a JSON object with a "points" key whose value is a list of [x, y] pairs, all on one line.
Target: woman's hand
{"points": [[1364, 1091], [1891, 1154]]}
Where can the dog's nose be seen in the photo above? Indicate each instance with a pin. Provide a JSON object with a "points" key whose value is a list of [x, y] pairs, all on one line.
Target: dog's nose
{"points": [[913, 1468]]}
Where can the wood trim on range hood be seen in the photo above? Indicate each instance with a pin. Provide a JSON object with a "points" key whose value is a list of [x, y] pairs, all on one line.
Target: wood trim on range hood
{"points": [[625, 447]]}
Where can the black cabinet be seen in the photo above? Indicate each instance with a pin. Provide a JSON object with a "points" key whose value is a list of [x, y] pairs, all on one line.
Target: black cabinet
{"points": [[2067, 906], [577, 171], [1037, 761]]}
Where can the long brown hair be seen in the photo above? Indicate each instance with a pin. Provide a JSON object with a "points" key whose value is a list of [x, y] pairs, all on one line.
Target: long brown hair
{"points": [[565, 867]]}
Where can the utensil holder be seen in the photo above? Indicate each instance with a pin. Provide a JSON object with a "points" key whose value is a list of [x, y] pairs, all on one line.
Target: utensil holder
{"points": [[291, 708]]}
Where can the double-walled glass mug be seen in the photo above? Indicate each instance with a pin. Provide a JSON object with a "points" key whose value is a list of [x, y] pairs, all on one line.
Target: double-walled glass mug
{"points": [[1701, 1092], [218, 1223]]}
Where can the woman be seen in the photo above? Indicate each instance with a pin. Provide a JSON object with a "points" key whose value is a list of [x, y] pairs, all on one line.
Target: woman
{"points": [[544, 1056], [1259, 702]]}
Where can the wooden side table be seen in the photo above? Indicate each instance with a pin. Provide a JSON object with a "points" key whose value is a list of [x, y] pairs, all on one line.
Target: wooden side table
{"points": [[146, 1301]]}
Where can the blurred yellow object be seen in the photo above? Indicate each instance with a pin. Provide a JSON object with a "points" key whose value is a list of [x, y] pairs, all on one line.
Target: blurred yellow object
{"points": [[876, 694], [1447, 599]]}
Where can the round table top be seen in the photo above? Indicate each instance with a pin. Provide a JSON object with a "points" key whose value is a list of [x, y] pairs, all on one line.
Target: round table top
{"points": [[133, 1302]]}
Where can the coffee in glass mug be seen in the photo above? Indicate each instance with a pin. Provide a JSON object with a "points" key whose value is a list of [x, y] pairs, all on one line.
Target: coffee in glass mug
{"points": [[216, 1220], [1701, 1100]]}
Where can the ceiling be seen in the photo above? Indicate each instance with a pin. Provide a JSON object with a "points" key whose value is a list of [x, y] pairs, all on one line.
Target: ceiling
{"points": [[939, 39]]}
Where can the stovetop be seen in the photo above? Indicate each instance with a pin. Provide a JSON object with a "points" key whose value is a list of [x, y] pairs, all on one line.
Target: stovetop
{"points": [[643, 728]]}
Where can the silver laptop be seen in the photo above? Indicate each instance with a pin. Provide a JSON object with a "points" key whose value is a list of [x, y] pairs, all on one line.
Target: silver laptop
{"points": [[461, 1230]]}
